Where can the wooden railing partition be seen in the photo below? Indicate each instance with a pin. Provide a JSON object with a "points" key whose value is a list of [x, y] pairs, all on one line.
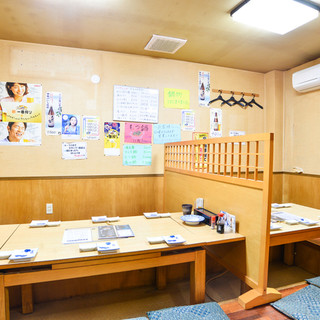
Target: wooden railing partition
{"points": [[238, 160], [233, 174]]}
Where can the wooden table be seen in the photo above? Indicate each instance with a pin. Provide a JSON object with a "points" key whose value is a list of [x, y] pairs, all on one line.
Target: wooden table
{"points": [[57, 261], [5, 232], [298, 232]]}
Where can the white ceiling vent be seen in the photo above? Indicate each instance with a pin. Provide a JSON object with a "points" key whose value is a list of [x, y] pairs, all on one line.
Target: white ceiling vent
{"points": [[164, 44]]}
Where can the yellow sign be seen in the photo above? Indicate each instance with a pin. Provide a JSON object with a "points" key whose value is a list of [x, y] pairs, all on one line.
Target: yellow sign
{"points": [[176, 98]]}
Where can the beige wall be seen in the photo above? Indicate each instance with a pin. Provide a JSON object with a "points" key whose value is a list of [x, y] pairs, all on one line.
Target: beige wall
{"points": [[69, 70], [301, 126]]}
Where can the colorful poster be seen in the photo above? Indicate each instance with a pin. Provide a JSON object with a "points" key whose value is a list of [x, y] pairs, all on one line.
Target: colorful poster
{"points": [[20, 133], [176, 98], [188, 120], [90, 128], [164, 133], [135, 104], [111, 138], [137, 133], [215, 122], [70, 126], [137, 155], [53, 113], [74, 150], [21, 102], [201, 155], [204, 88]]}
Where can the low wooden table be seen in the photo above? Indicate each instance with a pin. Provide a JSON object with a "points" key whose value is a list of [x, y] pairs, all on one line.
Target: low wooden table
{"points": [[57, 261]]}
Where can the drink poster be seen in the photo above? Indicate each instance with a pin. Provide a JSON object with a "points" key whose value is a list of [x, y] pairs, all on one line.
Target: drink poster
{"points": [[90, 128], [215, 122], [138, 133], [201, 151], [70, 126], [74, 150], [137, 155], [20, 113], [53, 113], [164, 133], [111, 138], [188, 120], [204, 88]]}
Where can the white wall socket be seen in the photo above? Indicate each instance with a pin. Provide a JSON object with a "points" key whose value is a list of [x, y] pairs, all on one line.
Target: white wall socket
{"points": [[49, 208]]}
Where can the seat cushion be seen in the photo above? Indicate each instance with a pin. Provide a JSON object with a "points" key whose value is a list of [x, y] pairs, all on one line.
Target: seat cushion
{"points": [[203, 311]]}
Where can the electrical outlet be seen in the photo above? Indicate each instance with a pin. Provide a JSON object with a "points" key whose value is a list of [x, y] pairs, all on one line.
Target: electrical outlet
{"points": [[49, 208]]}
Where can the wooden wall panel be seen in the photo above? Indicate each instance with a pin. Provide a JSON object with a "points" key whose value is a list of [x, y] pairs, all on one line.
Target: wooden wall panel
{"points": [[23, 200], [302, 189]]}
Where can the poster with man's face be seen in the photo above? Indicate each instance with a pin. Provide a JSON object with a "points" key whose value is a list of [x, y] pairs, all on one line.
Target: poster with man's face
{"points": [[20, 113]]}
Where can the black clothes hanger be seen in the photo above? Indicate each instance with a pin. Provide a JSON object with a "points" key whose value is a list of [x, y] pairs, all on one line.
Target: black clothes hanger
{"points": [[242, 100], [254, 102], [220, 98], [232, 101]]}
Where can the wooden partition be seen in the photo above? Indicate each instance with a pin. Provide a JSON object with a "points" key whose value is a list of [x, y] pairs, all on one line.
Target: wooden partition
{"points": [[233, 174]]}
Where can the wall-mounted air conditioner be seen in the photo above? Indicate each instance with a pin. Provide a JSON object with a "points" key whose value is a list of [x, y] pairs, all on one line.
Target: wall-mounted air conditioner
{"points": [[307, 79]]}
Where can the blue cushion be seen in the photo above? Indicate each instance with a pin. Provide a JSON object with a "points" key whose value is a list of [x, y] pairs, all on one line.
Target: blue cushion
{"points": [[203, 311], [139, 318]]}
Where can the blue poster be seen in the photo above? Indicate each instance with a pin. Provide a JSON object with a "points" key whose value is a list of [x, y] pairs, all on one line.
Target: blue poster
{"points": [[163, 133]]}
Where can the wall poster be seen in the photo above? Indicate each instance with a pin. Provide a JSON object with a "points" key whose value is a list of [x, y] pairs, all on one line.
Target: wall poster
{"points": [[137, 155], [164, 133], [215, 122], [135, 104], [70, 126], [204, 88], [137, 132], [74, 150], [53, 113], [111, 138], [20, 113]]}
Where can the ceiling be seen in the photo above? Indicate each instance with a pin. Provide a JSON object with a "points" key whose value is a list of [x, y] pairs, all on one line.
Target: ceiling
{"points": [[127, 25]]}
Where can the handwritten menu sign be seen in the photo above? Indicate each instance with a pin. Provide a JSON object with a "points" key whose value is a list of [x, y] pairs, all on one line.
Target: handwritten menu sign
{"points": [[137, 155], [163, 133], [135, 104]]}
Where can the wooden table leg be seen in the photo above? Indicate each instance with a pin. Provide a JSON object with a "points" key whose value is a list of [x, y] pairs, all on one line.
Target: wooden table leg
{"points": [[161, 277], [198, 278], [27, 298], [4, 301]]}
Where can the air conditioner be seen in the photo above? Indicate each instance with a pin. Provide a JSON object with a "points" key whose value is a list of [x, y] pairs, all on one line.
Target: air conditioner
{"points": [[307, 79]]}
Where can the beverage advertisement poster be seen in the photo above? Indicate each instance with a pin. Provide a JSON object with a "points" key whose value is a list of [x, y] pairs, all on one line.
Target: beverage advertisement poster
{"points": [[201, 151], [215, 122], [90, 128], [137, 155], [188, 120], [53, 113], [20, 113], [164, 133], [74, 150], [21, 102], [70, 126], [137, 133], [111, 138], [204, 88]]}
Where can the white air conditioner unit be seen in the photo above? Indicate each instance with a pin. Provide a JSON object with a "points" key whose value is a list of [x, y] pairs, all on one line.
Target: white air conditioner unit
{"points": [[307, 79]]}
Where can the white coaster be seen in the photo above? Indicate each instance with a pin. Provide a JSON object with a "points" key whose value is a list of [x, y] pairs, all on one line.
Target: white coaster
{"points": [[154, 240]]}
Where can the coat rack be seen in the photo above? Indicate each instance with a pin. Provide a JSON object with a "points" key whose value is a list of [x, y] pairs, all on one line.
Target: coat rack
{"points": [[232, 101]]}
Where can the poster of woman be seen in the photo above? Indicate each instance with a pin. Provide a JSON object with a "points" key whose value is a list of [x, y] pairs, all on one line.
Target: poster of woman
{"points": [[20, 118], [70, 126]]}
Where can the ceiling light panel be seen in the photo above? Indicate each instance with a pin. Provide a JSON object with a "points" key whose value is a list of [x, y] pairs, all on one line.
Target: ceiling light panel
{"points": [[279, 16]]}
